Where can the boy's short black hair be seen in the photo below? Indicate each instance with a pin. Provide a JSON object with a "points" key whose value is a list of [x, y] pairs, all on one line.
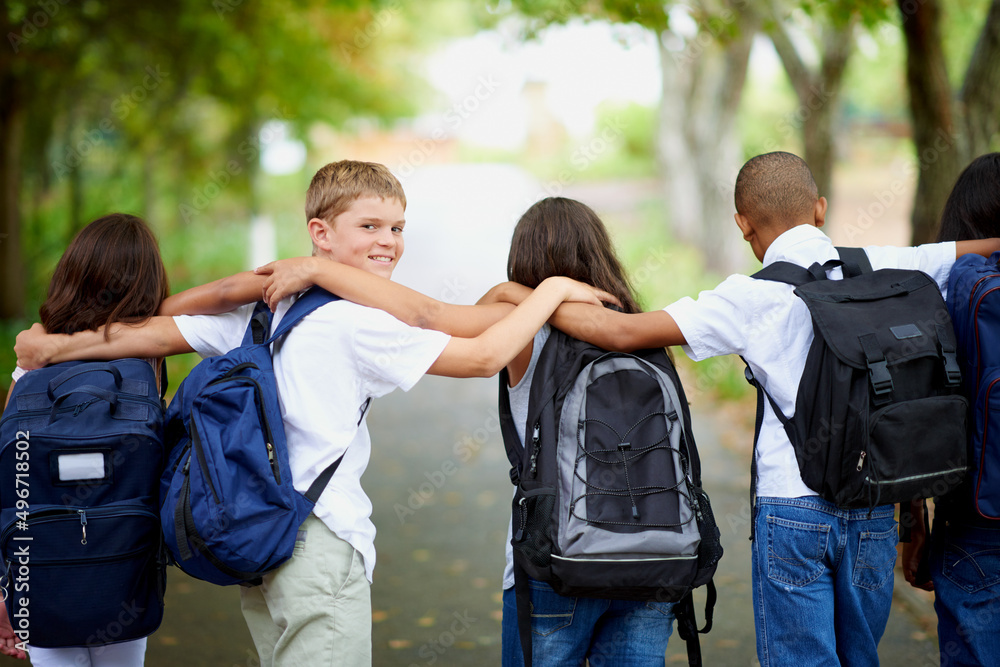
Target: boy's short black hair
{"points": [[775, 187]]}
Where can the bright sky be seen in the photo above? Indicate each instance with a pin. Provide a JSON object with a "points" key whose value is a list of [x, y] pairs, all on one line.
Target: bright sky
{"points": [[481, 78]]}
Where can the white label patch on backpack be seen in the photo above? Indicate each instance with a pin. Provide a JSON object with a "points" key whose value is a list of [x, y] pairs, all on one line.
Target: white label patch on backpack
{"points": [[81, 467]]}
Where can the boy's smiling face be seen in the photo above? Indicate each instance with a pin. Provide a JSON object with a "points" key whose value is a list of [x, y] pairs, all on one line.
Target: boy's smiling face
{"points": [[368, 235]]}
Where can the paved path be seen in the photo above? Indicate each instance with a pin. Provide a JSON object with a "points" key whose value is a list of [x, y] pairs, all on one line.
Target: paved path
{"points": [[438, 480]]}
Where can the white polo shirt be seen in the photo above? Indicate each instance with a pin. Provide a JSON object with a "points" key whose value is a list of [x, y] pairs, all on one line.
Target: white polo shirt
{"points": [[771, 328], [327, 367]]}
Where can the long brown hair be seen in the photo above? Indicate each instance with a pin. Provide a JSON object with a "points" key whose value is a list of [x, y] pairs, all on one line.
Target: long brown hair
{"points": [[564, 237], [111, 272]]}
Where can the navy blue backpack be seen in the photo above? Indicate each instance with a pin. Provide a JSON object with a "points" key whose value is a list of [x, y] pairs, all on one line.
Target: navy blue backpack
{"points": [[230, 513], [81, 453], [974, 305]]}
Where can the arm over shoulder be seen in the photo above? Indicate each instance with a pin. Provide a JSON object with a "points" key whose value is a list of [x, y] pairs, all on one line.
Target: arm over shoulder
{"points": [[156, 337], [723, 320], [616, 331], [211, 335], [218, 296], [934, 259]]}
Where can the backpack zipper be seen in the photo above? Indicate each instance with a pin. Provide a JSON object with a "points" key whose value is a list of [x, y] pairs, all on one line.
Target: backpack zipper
{"points": [[535, 447], [982, 449], [975, 317], [972, 292], [911, 478], [58, 513], [202, 461], [262, 415]]}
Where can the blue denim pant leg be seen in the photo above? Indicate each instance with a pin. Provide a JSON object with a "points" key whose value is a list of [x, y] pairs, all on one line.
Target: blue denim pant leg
{"points": [[965, 568], [821, 581], [631, 634], [568, 630]]}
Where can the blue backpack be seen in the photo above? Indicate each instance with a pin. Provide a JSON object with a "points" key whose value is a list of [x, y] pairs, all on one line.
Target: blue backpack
{"points": [[974, 304], [81, 453], [230, 513]]}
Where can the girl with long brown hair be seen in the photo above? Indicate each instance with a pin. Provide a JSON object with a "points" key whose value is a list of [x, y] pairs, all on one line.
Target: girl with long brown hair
{"points": [[111, 272]]}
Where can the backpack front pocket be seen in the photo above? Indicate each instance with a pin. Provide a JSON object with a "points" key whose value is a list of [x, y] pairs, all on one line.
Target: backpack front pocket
{"points": [[85, 576], [927, 464]]}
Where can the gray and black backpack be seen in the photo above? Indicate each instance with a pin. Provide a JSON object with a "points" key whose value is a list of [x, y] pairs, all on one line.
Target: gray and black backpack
{"points": [[609, 501]]}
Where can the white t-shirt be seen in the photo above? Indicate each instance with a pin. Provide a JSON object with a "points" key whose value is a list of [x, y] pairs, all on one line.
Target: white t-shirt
{"points": [[771, 328], [327, 367]]}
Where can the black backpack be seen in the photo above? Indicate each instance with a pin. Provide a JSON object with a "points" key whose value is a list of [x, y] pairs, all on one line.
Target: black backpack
{"points": [[609, 501], [879, 417]]}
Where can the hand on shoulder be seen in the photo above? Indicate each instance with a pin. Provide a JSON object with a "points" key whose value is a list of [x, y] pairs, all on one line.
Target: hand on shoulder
{"points": [[574, 290], [34, 347], [288, 276]]}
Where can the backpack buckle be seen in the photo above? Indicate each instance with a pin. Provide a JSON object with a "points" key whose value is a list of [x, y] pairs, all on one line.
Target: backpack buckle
{"points": [[515, 475], [878, 374], [878, 368], [953, 374], [952, 371]]}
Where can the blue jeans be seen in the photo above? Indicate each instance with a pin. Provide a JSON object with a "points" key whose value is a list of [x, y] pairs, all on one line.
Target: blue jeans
{"points": [[965, 569], [566, 630], [822, 582]]}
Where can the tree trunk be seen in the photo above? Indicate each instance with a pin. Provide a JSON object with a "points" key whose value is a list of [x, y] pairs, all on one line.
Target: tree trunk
{"points": [[698, 147], [939, 149], [818, 93], [981, 89], [12, 279]]}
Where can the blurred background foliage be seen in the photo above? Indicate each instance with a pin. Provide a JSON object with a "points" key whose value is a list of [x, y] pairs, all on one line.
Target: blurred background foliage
{"points": [[165, 109]]}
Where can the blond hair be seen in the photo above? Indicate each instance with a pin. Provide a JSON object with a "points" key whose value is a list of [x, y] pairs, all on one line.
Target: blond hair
{"points": [[337, 185]]}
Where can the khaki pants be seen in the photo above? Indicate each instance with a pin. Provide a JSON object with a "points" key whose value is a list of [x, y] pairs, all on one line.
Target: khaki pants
{"points": [[316, 608]]}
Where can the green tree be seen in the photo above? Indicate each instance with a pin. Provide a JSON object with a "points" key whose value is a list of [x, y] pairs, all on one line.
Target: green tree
{"points": [[175, 92], [829, 29], [949, 129], [703, 71]]}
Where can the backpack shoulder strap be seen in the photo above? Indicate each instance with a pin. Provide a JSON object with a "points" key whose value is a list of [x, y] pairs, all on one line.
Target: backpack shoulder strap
{"points": [[522, 597], [762, 394], [855, 261], [307, 303], [511, 441], [259, 325], [793, 274]]}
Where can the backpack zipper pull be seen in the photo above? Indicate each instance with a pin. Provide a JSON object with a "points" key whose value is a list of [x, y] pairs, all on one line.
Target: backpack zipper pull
{"points": [[861, 461], [534, 449], [522, 515], [83, 525], [273, 462]]}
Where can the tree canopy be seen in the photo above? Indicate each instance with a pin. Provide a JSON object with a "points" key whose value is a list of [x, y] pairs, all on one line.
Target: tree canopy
{"points": [[176, 93]]}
